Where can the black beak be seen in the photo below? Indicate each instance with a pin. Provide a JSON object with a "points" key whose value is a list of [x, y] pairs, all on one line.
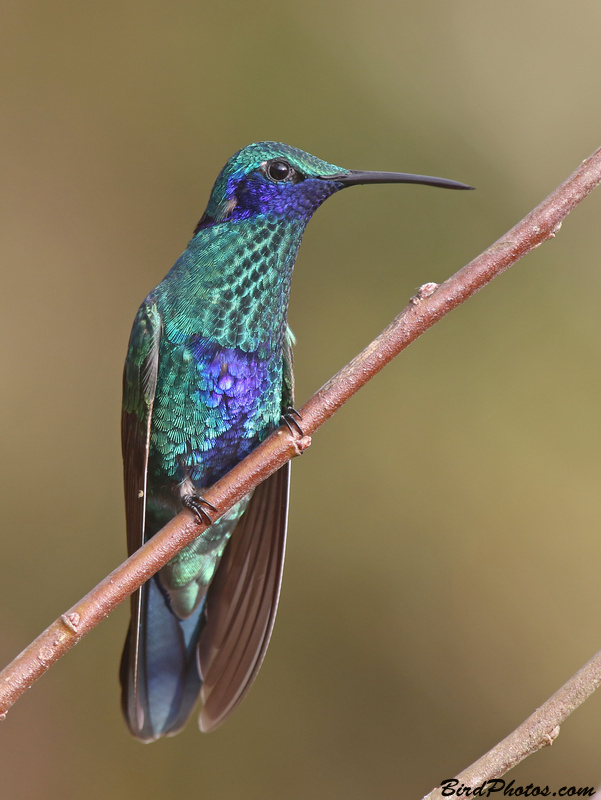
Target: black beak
{"points": [[355, 177]]}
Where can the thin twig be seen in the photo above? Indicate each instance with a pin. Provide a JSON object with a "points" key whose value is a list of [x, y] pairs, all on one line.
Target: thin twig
{"points": [[424, 310], [539, 730]]}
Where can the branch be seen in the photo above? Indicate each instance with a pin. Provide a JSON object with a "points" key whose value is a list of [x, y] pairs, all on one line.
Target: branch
{"points": [[424, 310], [538, 731]]}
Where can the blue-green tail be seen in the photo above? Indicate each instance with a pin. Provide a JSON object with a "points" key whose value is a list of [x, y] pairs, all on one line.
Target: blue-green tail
{"points": [[160, 692]]}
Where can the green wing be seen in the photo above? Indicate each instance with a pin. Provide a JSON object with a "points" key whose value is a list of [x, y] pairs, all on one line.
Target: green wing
{"points": [[139, 387]]}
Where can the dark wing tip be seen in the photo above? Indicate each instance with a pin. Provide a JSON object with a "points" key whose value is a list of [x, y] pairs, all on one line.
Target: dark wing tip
{"points": [[242, 602]]}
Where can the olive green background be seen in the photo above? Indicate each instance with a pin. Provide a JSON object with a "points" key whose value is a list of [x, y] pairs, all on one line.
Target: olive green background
{"points": [[442, 576]]}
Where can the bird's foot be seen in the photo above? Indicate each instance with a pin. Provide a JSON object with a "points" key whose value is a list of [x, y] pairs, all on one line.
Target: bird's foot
{"points": [[197, 505], [292, 419]]}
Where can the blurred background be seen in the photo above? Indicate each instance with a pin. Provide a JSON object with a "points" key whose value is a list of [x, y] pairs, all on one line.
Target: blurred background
{"points": [[444, 549]]}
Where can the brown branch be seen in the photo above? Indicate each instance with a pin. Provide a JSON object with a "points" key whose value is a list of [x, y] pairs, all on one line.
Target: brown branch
{"points": [[423, 311], [538, 731]]}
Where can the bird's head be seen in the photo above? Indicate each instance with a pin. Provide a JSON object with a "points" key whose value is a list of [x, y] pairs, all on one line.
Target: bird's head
{"points": [[273, 179]]}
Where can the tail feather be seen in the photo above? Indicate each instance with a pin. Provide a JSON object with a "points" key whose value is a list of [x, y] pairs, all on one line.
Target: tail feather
{"points": [[224, 639], [160, 692]]}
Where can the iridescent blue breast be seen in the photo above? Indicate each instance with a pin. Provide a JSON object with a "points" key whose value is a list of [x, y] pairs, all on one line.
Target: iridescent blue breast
{"points": [[212, 407]]}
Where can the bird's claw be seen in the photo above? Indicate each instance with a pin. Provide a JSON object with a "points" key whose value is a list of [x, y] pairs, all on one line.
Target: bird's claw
{"points": [[196, 504], [290, 418]]}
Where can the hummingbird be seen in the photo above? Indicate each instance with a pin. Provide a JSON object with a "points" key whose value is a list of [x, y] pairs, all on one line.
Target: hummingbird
{"points": [[208, 376]]}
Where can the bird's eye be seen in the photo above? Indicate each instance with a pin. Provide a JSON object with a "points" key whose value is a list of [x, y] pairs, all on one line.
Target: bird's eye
{"points": [[279, 170]]}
